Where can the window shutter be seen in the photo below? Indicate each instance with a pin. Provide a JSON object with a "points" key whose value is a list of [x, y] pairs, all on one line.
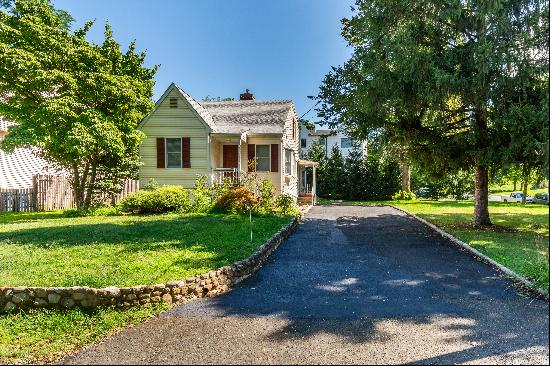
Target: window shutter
{"points": [[161, 162], [251, 157], [274, 157], [186, 152]]}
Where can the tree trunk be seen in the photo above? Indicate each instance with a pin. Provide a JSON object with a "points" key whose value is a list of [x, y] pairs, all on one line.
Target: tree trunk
{"points": [[481, 208], [405, 176], [77, 190], [405, 171], [515, 184], [525, 184]]}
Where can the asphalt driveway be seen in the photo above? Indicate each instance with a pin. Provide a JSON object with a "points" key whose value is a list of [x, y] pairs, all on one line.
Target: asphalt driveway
{"points": [[351, 285]]}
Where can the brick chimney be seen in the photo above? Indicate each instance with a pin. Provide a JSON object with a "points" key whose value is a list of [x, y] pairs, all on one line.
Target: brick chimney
{"points": [[247, 95]]}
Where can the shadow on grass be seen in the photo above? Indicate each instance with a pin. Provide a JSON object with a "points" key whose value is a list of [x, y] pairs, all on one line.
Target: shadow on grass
{"points": [[143, 232], [125, 251]]}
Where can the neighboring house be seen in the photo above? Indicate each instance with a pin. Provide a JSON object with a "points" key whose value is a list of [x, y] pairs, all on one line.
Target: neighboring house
{"points": [[328, 139], [187, 138], [18, 168]]}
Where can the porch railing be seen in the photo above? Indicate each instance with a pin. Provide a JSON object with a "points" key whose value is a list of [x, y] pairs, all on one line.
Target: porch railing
{"points": [[220, 175]]}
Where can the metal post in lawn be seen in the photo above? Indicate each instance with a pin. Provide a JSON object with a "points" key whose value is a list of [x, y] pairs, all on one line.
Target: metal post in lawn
{"points": [[251, 225]]}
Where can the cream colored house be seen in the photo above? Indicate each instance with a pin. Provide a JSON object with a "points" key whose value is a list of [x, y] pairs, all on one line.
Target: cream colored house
{"points": [[187, 138]]}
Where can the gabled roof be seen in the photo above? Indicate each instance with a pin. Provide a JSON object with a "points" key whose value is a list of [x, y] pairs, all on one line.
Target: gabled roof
{"points": [[236, 117], [203, 113], [252, 116], [200, 112]]}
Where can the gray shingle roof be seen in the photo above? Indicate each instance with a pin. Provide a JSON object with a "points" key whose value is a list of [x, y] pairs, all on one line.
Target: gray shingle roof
{"points": [[198, 108], [252, 116]]}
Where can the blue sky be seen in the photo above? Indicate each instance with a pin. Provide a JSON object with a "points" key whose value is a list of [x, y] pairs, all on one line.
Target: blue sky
{"points": [[280, 49]]}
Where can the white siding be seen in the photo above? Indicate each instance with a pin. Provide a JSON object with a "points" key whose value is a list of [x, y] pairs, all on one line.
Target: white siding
{"points": [[174, 122], [291, 141]]}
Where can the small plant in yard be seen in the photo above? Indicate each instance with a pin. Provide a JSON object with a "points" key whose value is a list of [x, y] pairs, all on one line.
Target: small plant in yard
{"points": [[266, 192], [202, 195], [151, 185], [403, 196], [285, 205], [237, 200], [163, 199]]}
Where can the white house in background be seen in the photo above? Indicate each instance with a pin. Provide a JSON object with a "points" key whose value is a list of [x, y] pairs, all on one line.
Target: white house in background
{"points": [[18, 168], [328, 139]]}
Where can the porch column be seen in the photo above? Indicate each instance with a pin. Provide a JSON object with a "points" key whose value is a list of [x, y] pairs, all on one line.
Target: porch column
{"points": [[314, 187], [239, 160]]}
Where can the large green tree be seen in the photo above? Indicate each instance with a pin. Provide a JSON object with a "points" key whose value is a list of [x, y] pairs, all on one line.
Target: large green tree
{"points": [[77, 102], [431, 74]]}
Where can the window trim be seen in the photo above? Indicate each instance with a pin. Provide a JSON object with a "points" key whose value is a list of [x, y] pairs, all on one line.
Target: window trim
{"points": [[292, 162], [256, 158], [166, 153]]}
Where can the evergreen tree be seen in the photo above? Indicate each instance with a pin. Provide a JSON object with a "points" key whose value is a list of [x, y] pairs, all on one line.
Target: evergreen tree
{"points": [[336, 174], [436, 77], [354, 172]]}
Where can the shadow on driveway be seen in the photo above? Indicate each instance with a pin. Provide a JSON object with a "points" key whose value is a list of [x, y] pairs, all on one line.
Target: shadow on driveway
{"points": [[356, 285]]}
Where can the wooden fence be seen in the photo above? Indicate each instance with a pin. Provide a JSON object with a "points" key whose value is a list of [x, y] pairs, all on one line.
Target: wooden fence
{"points": [[51, 192]]}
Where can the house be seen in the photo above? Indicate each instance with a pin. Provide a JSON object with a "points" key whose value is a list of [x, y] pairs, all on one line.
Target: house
{"points": [[221, 139], [18, 168], [328, 138]]}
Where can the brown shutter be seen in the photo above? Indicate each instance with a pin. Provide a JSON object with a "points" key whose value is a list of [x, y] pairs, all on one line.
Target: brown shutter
{"points": [[251, 157], [274, 157], [161, 162], [186, 152]]}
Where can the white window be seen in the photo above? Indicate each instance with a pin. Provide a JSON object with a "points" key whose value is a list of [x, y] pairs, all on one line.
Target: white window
{"points": [[173, 153], [289, 157], [263, 158], [303, 143], [345, 142]]}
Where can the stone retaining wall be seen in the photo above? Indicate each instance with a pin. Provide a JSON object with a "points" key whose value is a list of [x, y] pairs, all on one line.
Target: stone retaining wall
{"points": [[205, 285]]}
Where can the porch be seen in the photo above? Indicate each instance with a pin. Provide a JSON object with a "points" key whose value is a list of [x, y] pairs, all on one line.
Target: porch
{"points": [[226, 157], [307, 189]]}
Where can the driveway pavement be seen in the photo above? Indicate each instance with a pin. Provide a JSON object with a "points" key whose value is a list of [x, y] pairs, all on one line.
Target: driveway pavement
{"points": [[351, 285]]}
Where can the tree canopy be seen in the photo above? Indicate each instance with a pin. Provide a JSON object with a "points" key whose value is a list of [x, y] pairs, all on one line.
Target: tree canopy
{"points": [[79, 103], [451, 82]]}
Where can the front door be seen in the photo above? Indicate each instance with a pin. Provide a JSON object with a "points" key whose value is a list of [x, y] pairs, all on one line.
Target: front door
{"points": [[230, 156]]}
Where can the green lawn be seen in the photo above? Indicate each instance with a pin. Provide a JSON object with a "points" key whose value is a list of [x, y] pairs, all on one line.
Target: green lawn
{"points": [[519, 239], [50, 249], [505, 190], [45, 335]]}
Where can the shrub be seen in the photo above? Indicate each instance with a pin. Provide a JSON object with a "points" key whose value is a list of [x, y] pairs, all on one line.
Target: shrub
{"points": [[239, 200], [267, 193], [162, 199], [403, 196], [285, 205], [202, 195], [151, 185]]}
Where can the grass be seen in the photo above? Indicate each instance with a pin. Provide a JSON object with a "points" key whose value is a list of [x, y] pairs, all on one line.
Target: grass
{"points": [[46, 335], [506, 189], [519, 239], [49, 249]]}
